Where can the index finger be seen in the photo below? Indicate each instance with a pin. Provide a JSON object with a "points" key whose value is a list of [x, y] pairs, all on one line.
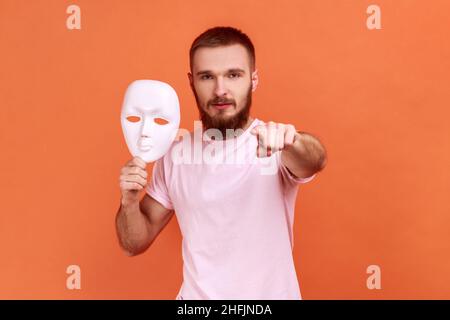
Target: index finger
{"points": [[139, 162]]}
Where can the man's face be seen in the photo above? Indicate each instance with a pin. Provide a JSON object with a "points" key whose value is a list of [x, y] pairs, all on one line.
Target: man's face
{"points": [[222, 82]]}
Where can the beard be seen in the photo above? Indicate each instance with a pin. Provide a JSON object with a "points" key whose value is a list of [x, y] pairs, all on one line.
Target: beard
{"points": [[221, 123]]}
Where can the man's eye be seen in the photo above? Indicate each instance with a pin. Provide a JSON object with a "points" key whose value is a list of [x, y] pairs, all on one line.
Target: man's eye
{"points": [[234, 75], [205, 77]]}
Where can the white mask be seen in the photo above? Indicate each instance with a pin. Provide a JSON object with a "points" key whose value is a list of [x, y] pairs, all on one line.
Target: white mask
{"points": [[145, 101]]}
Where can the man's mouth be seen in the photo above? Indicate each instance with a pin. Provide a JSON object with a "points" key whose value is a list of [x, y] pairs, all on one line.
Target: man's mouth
{"points": [[222, 106]]}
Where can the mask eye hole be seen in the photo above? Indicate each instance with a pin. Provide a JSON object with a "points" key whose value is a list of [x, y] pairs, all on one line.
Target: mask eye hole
{"points": [[133, 118], [161, 121]]}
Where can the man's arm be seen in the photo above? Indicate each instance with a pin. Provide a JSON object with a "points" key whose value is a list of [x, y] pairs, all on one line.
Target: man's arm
{"points": [[139, 223], [305, 156], [301, 153]]}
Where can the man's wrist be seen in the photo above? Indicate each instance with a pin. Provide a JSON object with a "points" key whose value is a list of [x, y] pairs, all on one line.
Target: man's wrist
{"points": [[297, 145], [129, 202]]}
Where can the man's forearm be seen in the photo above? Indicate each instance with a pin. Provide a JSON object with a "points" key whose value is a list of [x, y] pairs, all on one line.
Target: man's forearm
{"points": [[133, 228], [305, 156]]}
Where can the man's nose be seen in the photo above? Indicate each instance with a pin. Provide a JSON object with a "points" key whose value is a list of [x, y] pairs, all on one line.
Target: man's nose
{"points": [[220, 88]]}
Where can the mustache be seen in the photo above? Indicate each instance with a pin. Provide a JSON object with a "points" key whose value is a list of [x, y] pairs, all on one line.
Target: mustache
{"points": [[222, 101]]}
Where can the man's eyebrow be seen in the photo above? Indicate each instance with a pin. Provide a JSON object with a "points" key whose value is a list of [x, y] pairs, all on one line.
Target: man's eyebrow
{"points": [[228, 71], [236, 70], [203, 72]]}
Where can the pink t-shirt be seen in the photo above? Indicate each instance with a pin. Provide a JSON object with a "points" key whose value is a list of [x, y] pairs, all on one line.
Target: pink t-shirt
{"points": [[236, 218]]}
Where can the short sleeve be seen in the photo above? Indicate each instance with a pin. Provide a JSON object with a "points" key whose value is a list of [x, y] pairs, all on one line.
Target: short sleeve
{"points": [[288, 176], [157, 187]]}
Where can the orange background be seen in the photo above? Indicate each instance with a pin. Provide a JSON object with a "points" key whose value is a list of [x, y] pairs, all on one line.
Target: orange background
{"points": [[378, 99]]}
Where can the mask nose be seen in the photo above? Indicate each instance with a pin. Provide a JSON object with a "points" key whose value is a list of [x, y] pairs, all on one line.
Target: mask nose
{"points": [[147, 129], [145, 141]]}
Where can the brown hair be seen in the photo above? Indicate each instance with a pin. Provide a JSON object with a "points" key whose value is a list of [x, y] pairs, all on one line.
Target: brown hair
{"points": [[223, 36]]}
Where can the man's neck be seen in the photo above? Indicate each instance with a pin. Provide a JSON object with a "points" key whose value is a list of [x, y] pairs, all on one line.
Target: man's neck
{"points": [[245, 127], [249, 122]]}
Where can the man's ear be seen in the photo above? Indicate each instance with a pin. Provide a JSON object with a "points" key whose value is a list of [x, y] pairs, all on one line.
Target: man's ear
{"points": [[191, 79], [255, 80]]}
